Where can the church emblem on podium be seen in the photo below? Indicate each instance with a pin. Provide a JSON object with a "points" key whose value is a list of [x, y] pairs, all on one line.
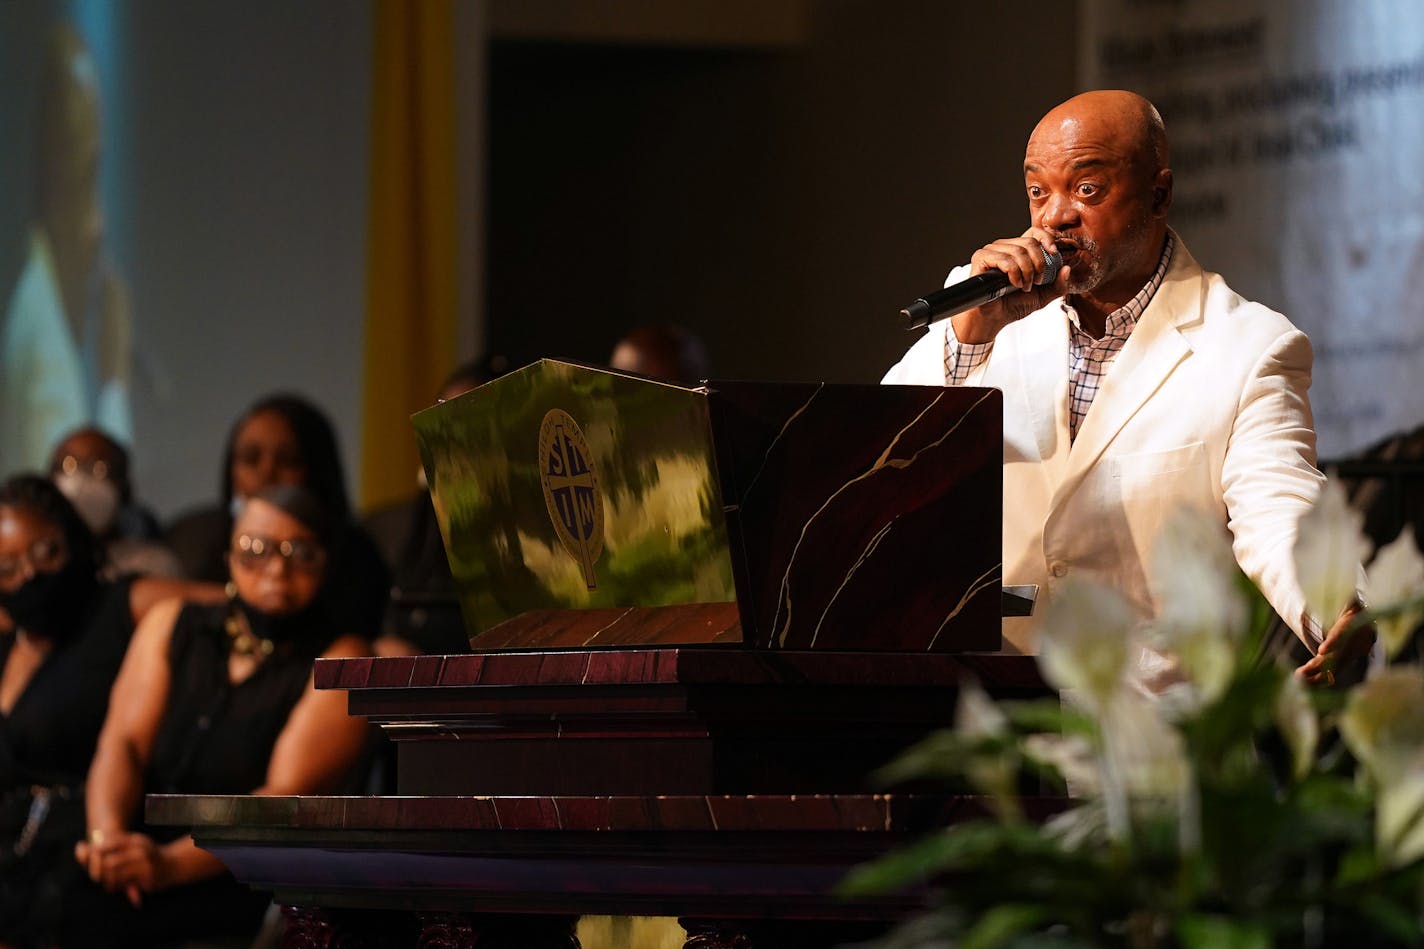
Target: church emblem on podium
{"points": [[571, 492]]}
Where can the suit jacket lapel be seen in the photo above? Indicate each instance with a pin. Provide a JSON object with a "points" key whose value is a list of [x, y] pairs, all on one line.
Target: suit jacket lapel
{"points": [[1043, 385], [1153, 350]]}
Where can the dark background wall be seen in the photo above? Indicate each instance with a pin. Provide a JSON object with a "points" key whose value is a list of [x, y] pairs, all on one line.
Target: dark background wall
{"points": [[783, 203]]}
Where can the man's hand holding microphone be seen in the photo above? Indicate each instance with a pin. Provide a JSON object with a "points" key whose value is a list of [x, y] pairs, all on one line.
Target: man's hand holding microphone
{"points": [[1010, 279]]}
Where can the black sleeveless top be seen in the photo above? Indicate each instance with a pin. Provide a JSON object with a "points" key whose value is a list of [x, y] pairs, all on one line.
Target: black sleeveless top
{"points": [[48, 737], [216, 737]]}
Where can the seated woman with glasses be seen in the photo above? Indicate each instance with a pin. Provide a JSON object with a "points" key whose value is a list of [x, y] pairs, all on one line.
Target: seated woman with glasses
{"points": [[215, 700], [56, 668], [284, 439]]}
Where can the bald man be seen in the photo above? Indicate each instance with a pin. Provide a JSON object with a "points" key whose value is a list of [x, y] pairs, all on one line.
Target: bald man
{"points": [[1134, 383]]}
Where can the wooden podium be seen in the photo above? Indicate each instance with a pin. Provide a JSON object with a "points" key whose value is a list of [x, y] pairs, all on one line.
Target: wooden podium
{"points": [[700, 618]]}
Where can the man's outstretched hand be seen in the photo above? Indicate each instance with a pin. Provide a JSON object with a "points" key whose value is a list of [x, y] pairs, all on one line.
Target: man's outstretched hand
{"points": [[1342, 646]]}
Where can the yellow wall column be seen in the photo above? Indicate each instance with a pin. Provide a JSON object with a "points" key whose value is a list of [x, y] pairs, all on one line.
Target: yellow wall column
{"points": [[411, 291]]}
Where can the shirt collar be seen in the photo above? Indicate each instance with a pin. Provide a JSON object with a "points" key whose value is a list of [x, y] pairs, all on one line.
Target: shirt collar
{"points": [[1121, 321]]}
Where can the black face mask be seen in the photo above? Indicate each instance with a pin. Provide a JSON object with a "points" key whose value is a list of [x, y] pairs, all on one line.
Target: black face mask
{"points": [[52, 603]]}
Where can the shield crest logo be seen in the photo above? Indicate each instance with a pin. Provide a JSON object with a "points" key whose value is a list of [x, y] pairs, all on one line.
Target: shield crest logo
{"points": [[571, 490]]}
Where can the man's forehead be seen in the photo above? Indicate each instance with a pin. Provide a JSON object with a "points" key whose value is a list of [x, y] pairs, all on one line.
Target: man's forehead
{"points": [[1080, 138], [1073, 160]]}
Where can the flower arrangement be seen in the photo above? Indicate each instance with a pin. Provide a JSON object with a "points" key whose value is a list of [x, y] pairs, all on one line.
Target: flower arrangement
{"points": [[1237, 808]]}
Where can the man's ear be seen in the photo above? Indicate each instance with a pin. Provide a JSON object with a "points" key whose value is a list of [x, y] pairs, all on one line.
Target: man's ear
{"points": [[1162, 192]]}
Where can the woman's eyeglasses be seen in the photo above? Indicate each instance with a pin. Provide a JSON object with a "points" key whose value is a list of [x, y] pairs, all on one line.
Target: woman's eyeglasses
{"points": [[70, 464], [45, 554], [254, 552]]}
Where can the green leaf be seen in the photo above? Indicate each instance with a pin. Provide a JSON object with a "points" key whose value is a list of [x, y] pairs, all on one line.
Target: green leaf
{"points": [[1050, 715], [1329, 811], [1359, 865], [1196, 931], [1002, 923], [971, 846], [897, 869], [1229, 725], [944, 756], [1054, 940], [1392, 918], [948, 849]]}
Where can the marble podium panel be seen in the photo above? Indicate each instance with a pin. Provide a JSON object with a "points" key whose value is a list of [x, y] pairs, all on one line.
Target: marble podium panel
{"points": [[798, 516]]}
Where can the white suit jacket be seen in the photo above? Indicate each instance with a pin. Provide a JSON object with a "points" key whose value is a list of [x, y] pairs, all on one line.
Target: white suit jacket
{"points": [[1206, 405]]}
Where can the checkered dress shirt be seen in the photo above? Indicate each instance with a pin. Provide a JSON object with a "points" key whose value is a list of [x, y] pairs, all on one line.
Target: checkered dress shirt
{"points": [[1088, 359]]}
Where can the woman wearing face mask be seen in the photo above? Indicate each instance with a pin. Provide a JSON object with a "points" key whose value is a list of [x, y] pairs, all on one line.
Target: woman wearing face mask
{"points": [[215, 700], [93, 472], [56, 668], [284, 439]]}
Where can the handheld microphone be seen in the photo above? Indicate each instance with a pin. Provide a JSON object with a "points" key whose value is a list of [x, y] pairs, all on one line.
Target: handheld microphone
{"points": [[969, 293]]}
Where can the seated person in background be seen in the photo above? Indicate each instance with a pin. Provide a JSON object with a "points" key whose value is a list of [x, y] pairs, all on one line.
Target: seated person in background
{"points": [[56, 669], [283, 439], [662, 352], [1385, 483], [423, 615], [93, 472], [215, 700]]}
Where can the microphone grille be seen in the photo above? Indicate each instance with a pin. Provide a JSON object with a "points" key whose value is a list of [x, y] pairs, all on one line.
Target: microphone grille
{"points": [[1052, 263]]}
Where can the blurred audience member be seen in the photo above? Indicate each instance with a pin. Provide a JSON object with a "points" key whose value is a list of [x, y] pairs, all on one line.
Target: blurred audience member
{"points": [[662, 352], [215, 700], [1385, 483], [71, 630], [283, 439], [423, 615], [93, 472]]}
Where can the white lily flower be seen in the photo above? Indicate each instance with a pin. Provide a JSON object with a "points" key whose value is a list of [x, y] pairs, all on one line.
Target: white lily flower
{"points": [[1209, 661], [1399, 831], [976, 717], [1084, 641], [1193, 576], [1396, 575], [1329, 547], [1078, 827], [1150, 754], [1383, 722], [1073, 757], [1296, 718], [1200, 611], [1383, 726], [1147, 758]]}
